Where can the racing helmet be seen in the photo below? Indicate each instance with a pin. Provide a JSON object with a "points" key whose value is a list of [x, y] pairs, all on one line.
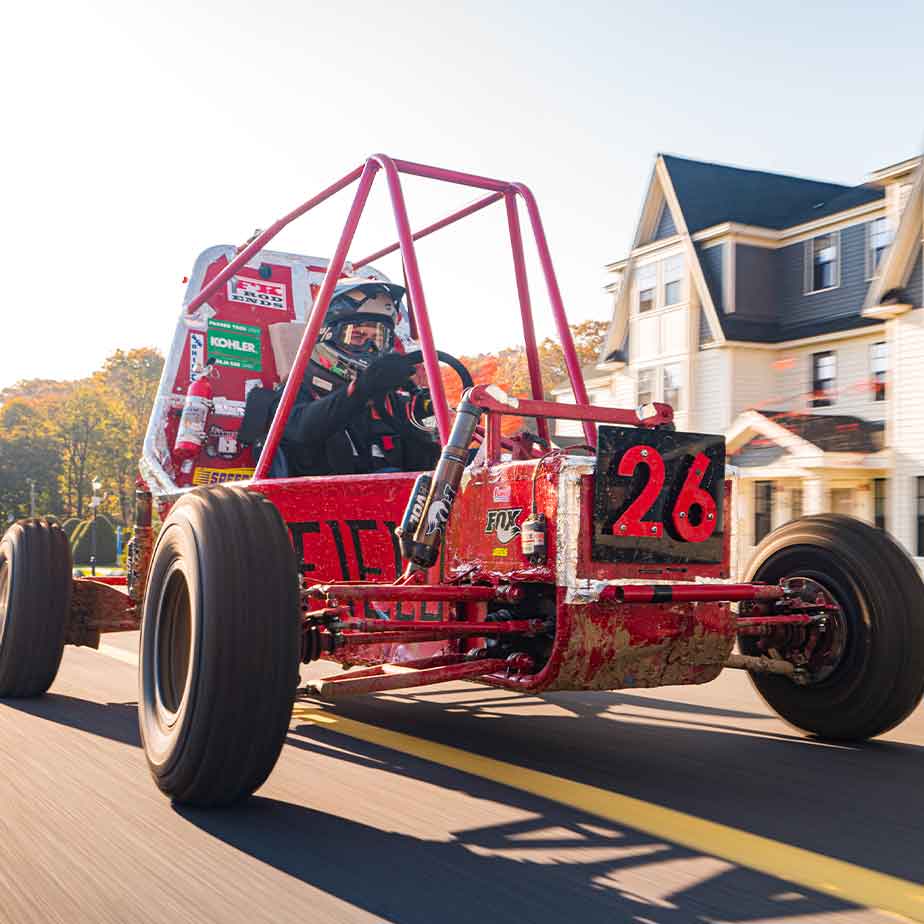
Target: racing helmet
{"points": [[359, 326]]}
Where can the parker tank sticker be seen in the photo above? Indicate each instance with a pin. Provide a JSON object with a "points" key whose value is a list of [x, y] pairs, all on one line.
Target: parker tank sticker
{"points": [[235, 345]]}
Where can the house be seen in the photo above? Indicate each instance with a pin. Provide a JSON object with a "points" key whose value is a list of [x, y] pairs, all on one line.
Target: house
{"points": [[785, 313]]}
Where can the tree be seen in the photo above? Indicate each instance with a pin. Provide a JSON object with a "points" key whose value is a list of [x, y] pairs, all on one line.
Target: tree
{"points": [[510, 370], [130, 379]]}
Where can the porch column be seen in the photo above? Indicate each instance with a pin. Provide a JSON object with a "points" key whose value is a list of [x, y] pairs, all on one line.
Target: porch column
{"points": [[814, 496], [782, 503]]}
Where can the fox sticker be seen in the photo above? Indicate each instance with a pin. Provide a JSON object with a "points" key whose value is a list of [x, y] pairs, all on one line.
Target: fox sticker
{"points": [[504, 523]]}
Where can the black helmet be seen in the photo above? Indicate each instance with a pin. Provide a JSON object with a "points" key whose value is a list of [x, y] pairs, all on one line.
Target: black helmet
{"points": [[359, 326]]}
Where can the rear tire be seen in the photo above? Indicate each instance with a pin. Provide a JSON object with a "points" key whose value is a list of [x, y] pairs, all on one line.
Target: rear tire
{"points": [[877, 676], [220, 643], [35, 602]]}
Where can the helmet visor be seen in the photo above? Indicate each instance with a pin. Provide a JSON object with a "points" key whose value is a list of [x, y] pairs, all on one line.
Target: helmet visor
{"points": [[363, 335]]}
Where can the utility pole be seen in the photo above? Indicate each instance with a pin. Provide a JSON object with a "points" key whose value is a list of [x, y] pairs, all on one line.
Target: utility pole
{"points": [[95, 501], [31, 497]]}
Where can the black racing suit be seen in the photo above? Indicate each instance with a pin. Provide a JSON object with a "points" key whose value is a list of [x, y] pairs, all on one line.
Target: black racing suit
{"points": [[346, 433]]}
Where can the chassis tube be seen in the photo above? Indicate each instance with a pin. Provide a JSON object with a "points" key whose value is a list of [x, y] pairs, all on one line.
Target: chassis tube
{"points": [[690, 593]]}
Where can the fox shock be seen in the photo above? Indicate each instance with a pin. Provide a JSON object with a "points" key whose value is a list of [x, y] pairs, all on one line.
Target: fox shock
{"points": [[424, 523]]}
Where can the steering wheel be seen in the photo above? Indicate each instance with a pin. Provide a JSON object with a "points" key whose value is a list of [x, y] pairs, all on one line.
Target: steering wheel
{"points": [[421, 415], [457, 366]]}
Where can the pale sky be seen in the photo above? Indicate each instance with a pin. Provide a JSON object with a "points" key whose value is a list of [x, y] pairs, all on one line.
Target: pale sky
{"points": [[138, 134]]}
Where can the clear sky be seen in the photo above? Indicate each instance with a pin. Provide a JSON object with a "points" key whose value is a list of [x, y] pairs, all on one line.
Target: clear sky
{"points": [[137, 134]]}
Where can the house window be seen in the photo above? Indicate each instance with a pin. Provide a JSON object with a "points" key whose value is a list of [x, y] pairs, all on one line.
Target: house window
{"points": [[824, 378], [673, 280], [878, 238], [878, 358], [821, 263], [647, 281], [920, 512], [879, 503], [763, 509], [646, 386], [672, 386]]}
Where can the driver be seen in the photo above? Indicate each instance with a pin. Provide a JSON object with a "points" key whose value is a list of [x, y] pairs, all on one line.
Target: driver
{"points": [[348, 417]]}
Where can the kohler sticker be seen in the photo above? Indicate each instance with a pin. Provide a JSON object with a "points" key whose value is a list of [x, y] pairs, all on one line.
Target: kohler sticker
{"points": [[235, 345], [503, 523], [261, 293]]}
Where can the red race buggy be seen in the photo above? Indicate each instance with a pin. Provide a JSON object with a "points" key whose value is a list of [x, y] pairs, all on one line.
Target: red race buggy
{"points": [[514, 563]]}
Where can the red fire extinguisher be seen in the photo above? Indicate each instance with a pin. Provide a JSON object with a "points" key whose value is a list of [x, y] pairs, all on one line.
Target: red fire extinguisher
{"points": [[191, 433]]}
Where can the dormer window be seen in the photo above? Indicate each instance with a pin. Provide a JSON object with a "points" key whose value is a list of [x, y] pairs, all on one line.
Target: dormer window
{"points": [[647, 281], [822, 263], [878, 238]]}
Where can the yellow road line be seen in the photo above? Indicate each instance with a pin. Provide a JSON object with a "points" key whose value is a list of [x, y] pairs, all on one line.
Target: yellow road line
{"points": [[845, 881], [842, 880]]}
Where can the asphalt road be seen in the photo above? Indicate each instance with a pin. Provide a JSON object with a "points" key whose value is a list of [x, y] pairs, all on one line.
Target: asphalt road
{"points": [[350, 830]]}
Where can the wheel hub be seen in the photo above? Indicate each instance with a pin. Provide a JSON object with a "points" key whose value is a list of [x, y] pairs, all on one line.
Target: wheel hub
{"points": [[817, 649]]}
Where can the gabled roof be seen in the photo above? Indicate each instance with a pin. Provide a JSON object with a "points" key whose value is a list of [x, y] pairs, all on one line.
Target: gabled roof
{"points": [[831, 432], [711, 194]]}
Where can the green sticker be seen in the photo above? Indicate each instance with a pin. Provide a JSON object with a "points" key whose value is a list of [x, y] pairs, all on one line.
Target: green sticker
{"points": [[235, 345]]}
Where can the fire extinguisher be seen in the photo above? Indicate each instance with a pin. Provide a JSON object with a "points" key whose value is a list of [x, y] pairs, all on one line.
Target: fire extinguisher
{"points": [[196, 407]]}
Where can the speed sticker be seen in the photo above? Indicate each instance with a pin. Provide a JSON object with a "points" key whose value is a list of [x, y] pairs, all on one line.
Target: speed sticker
{"points": [[220, 475], [261, 293]]}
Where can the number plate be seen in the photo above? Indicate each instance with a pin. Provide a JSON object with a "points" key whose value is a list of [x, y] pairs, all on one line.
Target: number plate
{"points": [[659, 497]]}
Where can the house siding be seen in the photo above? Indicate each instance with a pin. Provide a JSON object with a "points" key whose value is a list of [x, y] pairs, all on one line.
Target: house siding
{"points": [[712, 261], [796, 308], [915, 287], [755, 380], [710, 411], [855, 395], [906, 423], [756, 282], [666, 226]]}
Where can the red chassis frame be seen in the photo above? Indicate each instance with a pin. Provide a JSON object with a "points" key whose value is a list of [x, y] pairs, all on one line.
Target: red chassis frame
{"points": [[605, 636]]}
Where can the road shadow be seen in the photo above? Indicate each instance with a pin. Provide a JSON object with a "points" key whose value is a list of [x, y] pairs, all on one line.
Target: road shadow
{"points": [[116, 721], [857, 802], [556, 865]]}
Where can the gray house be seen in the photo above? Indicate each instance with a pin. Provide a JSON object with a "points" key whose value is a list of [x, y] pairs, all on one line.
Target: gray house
{"points": [[784, 312]]}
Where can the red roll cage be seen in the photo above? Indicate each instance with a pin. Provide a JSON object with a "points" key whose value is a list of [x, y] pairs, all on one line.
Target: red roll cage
{"points": [[498, 190]]}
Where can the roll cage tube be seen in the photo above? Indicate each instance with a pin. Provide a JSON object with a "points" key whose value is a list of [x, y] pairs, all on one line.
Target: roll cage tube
{"points": [[364, 177]]}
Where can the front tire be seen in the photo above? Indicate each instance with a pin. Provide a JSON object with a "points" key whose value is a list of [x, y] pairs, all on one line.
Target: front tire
{"points": [[35, 601], [866, 672], [220, 642]]}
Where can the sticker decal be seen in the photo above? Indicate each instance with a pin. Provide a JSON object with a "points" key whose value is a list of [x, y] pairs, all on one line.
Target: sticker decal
{"points": [[235, 345], [501, 494], [220, 475], [196, 355], [504, 524], [261, 293], [500, 552], [438, 513]]}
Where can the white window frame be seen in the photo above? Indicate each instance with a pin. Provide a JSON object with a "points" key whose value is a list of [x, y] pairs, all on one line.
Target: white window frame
{"points": [[808, 260], [654, 287], [885, 371], [681, 280], [657, 392], [872, 271], [830, 398]]}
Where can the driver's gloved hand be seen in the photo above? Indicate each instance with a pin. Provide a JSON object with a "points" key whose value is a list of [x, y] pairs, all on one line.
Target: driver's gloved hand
{"points": [[384, 375]]}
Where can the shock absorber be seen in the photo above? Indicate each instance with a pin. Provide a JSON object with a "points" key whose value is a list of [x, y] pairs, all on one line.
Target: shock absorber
{"points": [[423, 526]]}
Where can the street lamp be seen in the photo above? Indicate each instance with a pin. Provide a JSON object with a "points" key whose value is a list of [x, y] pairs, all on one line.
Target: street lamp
{"points": [[95, 501]]}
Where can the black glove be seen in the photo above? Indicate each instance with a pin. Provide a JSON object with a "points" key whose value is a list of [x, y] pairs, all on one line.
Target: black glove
{"points": [[384, 375]]}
